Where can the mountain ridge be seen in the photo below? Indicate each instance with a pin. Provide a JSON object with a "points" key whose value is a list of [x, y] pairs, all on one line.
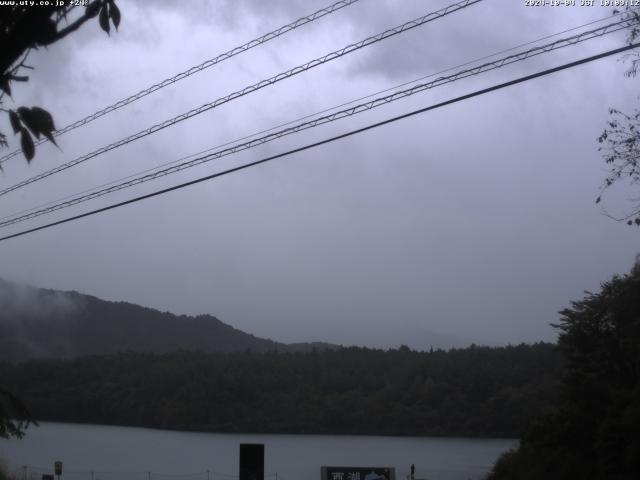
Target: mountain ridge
{"points": [[46, 323]]}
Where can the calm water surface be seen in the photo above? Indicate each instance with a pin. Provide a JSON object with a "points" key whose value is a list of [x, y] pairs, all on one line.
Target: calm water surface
{"points": [[94, 452]]}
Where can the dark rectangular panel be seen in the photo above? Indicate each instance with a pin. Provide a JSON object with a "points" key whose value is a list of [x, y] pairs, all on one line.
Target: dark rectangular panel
{"points": [[251, 461]]}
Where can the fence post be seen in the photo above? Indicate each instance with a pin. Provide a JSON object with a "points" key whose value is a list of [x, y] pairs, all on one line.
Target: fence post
{"points": [[208, 475]]}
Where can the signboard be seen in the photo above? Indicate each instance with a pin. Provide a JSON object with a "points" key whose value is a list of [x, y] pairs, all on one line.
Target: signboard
{"points": [[252, 461], [57, 467], [357, 473]]}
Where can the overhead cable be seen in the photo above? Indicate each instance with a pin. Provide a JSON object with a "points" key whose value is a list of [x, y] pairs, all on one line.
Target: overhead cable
{"points": [[193, 70], [329, 140], [252, 88], [377, 102], [299, 119]]}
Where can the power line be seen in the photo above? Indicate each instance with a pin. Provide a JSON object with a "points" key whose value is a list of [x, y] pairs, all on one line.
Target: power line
{"points": [[193, 70], [270, 129], [318, 121], [252, 88], [584, 36], [331, 139]]}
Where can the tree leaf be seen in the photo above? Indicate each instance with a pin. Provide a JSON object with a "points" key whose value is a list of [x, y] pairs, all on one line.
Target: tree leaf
{"points": [[92, 9], [26, 142], [50, 138], [43, 119], [114, 13], [598, 200], [4, 85], [15, 121], [39, 121], [104, 18], [30, 120]]}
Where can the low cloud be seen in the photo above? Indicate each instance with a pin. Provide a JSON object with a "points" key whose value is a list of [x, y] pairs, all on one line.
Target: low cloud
{"points": [[19, 301]]}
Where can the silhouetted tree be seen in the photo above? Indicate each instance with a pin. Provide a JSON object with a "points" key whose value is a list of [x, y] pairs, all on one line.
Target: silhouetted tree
{"points": [[620, 140], [14, 417], [25, 27], [595, 432]]}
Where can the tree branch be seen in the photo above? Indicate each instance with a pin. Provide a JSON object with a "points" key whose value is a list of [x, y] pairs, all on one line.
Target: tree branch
{"points": [[72, 27]]}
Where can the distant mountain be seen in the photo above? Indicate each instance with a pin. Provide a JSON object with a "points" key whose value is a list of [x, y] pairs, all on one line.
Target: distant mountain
{"points": [[39, 323], [401, 333]]}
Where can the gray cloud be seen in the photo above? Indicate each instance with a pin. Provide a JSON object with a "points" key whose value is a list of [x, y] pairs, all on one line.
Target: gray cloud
{"points": [[473, 221]]}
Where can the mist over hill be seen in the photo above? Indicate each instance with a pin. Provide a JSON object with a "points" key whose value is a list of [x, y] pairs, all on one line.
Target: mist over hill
{"points": [[77, 358], [42, 323], [45, 323]]}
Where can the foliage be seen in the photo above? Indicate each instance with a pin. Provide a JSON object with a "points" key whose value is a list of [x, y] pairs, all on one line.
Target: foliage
{"points": [[620, 140], [632, 15], [477, 391], [621, 150], [24, 27], [14, 416], [595, 432]]}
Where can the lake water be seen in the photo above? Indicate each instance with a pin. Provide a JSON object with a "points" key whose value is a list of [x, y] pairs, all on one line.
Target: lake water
{"points": [[95, 452]]}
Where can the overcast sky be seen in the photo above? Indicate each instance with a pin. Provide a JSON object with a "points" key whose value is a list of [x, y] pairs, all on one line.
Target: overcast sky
{"points": [[475, 221]]}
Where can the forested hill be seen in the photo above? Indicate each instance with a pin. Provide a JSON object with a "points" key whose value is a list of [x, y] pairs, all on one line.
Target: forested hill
{"points": [[466, 392], [36, 323]]}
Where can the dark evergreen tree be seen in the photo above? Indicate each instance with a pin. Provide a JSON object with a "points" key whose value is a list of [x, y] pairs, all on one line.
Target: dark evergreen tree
{"points": [[595, 432]]}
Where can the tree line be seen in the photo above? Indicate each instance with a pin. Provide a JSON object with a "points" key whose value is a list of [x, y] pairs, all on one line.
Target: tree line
{"points": [[476, 391]]}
